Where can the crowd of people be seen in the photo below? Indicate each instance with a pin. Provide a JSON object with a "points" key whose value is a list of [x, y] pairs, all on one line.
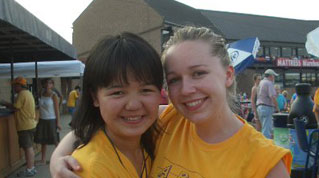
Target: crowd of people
{"points": [[45, 130]]}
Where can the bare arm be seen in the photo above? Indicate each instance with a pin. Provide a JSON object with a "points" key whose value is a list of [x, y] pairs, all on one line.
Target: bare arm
{"points": [[56, 111], [252, 100], [279, 170], [61, 163]]}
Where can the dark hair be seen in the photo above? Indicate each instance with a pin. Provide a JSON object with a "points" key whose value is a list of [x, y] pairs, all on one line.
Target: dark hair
{"points": [[255, 76], [111, 60], [77, 87], [45, 80]]}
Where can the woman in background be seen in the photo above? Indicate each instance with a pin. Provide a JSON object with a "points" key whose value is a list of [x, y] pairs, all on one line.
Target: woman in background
{"points": [[49, 120]]}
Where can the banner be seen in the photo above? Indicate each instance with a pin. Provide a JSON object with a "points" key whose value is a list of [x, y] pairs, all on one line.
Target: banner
{"points": [[286, 62]]}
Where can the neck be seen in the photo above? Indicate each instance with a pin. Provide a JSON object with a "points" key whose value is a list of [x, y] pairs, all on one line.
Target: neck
{"points": [[220, 127], [131, 148]]}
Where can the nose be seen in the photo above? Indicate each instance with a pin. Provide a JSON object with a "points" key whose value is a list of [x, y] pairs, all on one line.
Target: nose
{"points": [[187, 87], [133, 103]]}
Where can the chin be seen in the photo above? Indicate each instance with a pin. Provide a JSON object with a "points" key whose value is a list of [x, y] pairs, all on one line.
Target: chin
{"points": [[196, 118]]}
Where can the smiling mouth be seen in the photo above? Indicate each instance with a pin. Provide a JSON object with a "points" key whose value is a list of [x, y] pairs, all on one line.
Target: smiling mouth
{"points": [[133, 119], [193, 105]]}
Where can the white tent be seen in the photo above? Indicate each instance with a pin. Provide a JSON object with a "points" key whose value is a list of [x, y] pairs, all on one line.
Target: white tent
{"points": [[72, 68]]}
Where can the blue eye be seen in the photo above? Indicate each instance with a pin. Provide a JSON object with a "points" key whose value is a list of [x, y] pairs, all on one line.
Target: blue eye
{"points": [[172, 81]]}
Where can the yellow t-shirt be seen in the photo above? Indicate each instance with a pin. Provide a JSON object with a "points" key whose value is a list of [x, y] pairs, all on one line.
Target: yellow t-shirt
{"points": [[316, 99], [181, 153], [98, 159], [73, 96], [25, 114]]}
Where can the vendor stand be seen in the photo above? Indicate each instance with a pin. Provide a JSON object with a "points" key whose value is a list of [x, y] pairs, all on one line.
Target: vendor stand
{"points": [[23, 38]]}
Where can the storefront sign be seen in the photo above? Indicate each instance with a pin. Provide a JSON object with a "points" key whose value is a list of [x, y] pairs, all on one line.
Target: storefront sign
{"points": [[286, 62]]}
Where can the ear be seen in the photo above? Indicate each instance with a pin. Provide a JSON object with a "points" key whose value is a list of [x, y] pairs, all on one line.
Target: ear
{"points": [[95, 100], [230, 75]]}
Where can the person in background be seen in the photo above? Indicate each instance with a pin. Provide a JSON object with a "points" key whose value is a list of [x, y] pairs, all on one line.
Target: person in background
{"points": [[316, 105], [72, 102], [285, 93], [72, 99], [267, 102], [24, 113], [203, 137], [49, 121], [253, 99], [293, 98], [53, 89], [281, 100]]}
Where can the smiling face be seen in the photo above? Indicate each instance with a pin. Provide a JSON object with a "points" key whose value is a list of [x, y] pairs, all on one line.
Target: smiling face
{"points": [[196, 80], [128, 110]]}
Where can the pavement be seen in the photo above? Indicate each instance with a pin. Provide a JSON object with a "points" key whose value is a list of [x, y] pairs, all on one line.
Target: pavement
{"points": [[43, 170]]}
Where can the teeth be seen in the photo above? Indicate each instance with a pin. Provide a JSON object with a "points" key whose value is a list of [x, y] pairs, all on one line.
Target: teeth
{"points": [[191, 104], [132, 118]]}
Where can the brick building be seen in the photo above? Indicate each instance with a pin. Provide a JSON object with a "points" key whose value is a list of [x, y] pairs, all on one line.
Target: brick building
{"points": [[154, 20]]}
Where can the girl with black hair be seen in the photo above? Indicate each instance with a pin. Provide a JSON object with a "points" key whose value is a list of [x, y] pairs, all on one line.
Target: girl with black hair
{"points": [[116, 121]]}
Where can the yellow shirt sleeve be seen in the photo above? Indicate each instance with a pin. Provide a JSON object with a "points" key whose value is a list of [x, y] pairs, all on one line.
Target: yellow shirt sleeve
{"points": [[316, 99]]}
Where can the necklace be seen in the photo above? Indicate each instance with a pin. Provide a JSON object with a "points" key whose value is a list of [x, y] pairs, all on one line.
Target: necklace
{"points": [[144, 169]]}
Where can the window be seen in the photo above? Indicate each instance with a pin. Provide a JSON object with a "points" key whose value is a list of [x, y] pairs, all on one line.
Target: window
{"points": [[302, 53], [286, 52], [291, 79], [308, 78], [260, 52], [266, 52], [294, 51], [279, 78], [274, 51]]}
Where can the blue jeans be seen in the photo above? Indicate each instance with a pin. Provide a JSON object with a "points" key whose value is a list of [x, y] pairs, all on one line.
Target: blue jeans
{"points": [[266, 120]]}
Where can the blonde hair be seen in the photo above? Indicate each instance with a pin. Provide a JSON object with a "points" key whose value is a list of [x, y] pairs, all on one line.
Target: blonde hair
{"points": [[277, 87], [218, 49]]}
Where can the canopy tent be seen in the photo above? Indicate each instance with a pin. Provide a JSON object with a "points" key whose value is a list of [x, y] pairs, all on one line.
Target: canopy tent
{"points": [[243, 53], [45, 69], [25, 38]]}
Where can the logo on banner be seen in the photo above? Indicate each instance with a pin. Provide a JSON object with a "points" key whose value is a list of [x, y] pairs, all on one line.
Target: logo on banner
{"points": [[234, 55]]}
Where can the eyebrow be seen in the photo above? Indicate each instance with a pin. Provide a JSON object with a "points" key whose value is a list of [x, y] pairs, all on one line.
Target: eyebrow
{"points": [[191, 67], [121, 86]]}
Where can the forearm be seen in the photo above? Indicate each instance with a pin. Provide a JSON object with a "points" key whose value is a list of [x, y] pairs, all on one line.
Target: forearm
{"points": [[57, 111], [65, 147], [10, 106], [61, 164]]}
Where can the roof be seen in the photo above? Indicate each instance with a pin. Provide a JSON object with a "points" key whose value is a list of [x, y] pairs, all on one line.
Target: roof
{"points": [[23, 37], [237, 26], [71, 68], [180, 14]]}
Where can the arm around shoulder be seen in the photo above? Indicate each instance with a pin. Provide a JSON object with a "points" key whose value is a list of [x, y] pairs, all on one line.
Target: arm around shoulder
{"points": [[61, 164]]}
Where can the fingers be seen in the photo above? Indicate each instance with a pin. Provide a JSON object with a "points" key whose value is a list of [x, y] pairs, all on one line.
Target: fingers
{"points": [[63, 167], [72, 163]]}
